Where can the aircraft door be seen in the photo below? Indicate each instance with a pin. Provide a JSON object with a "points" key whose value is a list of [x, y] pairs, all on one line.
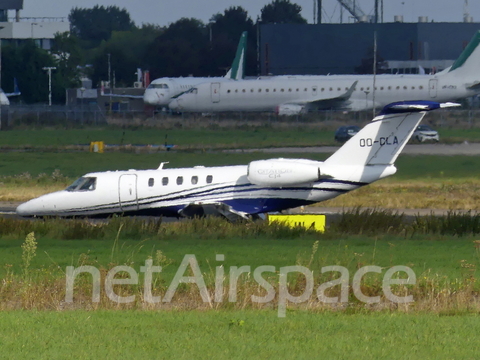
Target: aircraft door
{"points": [[215, 92], [127, 192], [432, 88]]}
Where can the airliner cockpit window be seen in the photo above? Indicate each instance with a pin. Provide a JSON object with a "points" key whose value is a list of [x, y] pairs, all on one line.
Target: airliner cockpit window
{"points": [[191, 91], [158, 86], [83, 184]]}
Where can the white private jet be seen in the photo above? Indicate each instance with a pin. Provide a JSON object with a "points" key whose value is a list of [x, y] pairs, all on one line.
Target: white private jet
{"points": [[161, 91], [293, 95], [242, 191]]}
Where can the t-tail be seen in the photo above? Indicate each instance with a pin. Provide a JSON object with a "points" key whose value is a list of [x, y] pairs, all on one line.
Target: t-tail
{"points": [[374, 149], [237, 71]]}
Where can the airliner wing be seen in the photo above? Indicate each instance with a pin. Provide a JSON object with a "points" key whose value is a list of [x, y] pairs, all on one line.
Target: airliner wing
{"points": [[337, 102]]}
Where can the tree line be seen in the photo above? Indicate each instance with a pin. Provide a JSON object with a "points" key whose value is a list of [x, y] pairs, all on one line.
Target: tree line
{"points": [[185, 47]]}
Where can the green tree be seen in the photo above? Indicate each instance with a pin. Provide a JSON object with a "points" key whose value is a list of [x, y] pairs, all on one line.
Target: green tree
{"points": [[282, 12], [26, 63], [127, 51], [68, 56], [97, 24], [225, 30], [179, 50]]}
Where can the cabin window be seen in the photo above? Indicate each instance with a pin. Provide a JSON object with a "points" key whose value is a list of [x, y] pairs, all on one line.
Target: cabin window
{"points": [[290, 90], [398, 87], [405, 88], [298, 89], [251, 90], [243, 90], [346, 89], [322, 89], [331, 89], [267, 90], [381, 88], [194, 180], [361, 89], [305, 89], [165, 181], [413, 87], [274, 90], [151, 181], [236, 90], [228, 91], [389, 88], [282, 90], [209, 179], [83, 184], [180, 180], [420, 87], [339, 89], [368, 88]]}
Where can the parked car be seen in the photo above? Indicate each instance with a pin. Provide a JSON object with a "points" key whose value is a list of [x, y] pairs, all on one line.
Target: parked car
{"points": [[344, 133], [424, 133]]}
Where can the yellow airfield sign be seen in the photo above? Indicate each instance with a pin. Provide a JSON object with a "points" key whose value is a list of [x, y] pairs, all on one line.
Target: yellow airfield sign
{"points": [[308, 221]]}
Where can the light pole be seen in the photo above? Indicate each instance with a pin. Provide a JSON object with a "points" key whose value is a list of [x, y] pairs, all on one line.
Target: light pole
{"points": [[82, 90], [49, 69]]}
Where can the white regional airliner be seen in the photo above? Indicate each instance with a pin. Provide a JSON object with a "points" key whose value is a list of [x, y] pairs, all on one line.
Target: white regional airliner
{"points": [[289, 96], [161, 91], [246, 190]]}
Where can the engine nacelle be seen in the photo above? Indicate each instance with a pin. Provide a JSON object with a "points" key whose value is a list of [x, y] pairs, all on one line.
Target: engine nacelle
{"points": [[281, 172], [289, 109]]}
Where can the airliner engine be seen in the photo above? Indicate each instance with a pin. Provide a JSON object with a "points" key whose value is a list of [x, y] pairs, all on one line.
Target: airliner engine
{"points": [[282, 172], [289, 109]]}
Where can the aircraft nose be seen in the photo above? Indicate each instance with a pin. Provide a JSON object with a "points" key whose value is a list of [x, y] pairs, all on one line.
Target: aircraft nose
{"points": [[151, 97], [30, 208]]}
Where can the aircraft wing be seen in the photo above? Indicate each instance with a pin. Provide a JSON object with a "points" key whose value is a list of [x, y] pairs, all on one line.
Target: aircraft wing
{"points": [[214, 208], [475, 86], [124, 96], [337, 102]]}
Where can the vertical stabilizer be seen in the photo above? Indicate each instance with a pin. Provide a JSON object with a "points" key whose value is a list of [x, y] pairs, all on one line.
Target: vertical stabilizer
{"points": [[468, 63], [383, 139], [237, 71]]}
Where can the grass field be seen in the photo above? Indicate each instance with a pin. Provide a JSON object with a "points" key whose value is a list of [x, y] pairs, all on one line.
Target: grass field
{"points": [[244, 136], [236, 335]]}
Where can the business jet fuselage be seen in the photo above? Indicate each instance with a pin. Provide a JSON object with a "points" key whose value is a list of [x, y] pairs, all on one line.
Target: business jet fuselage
{"points": [[245, 190]]}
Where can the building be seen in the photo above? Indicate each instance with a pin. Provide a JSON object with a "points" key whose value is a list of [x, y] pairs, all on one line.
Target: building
{"points": [[41, 30], [342, 48]]}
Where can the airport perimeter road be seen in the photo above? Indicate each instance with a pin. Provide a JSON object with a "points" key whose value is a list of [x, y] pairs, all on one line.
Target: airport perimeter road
{"points": [[411, 149]]}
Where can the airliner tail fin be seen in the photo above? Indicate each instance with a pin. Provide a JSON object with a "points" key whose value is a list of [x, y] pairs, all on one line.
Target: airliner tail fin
{"points": [[237, 71], [468, 63]]}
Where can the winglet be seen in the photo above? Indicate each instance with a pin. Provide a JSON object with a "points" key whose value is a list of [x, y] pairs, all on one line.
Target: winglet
{"points": [[237, 70]]}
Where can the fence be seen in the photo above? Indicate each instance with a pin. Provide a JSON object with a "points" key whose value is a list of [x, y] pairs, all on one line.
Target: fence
{"points": [[15, 116]]}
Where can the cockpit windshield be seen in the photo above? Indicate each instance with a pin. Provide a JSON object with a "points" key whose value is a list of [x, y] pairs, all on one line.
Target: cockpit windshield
{"points": [[191, 91], [83, 184], [158, 86]]}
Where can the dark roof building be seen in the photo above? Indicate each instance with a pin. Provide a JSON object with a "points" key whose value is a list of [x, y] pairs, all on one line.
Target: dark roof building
{"points": [[343, 48]]}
